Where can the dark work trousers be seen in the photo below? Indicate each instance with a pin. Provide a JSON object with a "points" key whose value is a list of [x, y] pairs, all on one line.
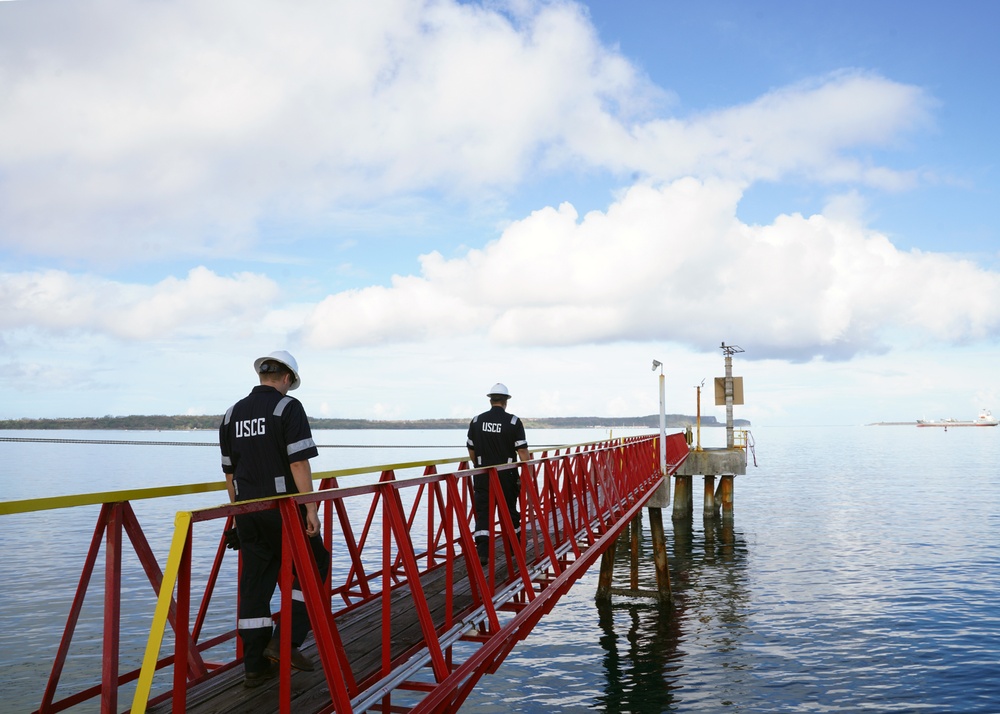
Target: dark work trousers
{"points": [[260, 544], [510, 483]]}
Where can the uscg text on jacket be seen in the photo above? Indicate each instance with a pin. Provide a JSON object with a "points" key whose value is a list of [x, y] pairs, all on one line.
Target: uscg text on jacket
{"points": [[250, 427]]}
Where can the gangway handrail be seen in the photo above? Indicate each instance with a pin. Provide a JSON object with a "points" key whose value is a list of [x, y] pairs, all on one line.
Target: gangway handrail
{"points": [[613, 477], [29, 505], [590, 476]]}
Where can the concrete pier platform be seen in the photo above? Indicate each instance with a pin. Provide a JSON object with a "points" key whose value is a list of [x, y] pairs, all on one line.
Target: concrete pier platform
{"points": [[710, 463]]}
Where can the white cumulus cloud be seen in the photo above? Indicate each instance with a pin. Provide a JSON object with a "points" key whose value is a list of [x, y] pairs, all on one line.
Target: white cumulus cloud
{"points": [[199, 305], [674, 263], [178, 129]]}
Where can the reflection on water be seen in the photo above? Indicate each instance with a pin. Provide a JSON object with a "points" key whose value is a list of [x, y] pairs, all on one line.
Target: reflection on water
{"points": [[641, 645], [645, 642]]}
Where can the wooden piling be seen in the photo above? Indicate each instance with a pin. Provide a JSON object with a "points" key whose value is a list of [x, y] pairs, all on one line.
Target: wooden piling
{"points": [[683, 499], [660, 555], [634, 551], [605, 578], [708, 510], [725, 495]]}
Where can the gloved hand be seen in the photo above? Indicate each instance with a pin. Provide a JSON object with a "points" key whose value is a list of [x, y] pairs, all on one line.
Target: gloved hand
{"points": [[232, 537]]}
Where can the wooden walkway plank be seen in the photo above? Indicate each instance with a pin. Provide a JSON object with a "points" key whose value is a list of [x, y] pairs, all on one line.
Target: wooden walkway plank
{"points": [[360, 632]]}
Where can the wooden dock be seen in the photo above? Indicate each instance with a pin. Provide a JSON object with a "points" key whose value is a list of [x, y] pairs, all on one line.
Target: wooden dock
{"points": [[360, 632]]}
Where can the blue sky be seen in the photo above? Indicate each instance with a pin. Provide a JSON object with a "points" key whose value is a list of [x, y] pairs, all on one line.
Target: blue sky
{"points": [[419, 199]]}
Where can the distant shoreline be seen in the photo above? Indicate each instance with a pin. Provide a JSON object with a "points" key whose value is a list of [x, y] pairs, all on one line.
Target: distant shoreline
{"points": [[211, 422]]}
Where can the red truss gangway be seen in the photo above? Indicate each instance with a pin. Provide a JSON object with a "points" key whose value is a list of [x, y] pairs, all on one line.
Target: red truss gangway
{"points": [[407, 619]]}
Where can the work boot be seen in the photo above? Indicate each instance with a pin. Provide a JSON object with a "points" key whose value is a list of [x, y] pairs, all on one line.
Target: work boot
{"points": [[483, 549], [252, 680], [299, 661]]}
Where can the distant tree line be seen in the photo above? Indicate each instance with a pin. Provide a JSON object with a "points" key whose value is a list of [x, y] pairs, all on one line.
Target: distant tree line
{"points": [[134, 422], [191, 422]]}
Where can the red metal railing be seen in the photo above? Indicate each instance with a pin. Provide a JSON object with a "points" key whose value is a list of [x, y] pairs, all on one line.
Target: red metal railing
{"points": [[386, 537]]}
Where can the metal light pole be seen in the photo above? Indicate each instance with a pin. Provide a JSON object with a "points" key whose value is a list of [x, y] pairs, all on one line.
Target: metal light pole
{"points": [[663, 429], [729, 351], [698, 417]]}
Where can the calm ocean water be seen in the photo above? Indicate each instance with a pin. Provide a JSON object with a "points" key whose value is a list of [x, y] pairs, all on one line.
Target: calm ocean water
{"points": [[860, 574]]}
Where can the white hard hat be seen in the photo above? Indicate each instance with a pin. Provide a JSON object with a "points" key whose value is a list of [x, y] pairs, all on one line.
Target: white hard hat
{"points": [[284, 358], [499, 390]]}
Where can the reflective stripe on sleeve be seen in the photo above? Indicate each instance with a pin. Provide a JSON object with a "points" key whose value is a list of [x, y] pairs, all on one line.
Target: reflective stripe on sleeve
{"points": [[481, 534], [297, 595], [254, 623], [227, 461], [301, 446]]}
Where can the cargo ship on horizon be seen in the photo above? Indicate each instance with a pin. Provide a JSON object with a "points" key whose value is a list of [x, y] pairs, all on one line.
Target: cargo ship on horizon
{"points": [[985, 418]]}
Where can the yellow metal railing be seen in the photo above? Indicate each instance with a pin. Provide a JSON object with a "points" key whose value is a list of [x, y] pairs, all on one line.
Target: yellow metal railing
{"points": [[29, 505], [49, 503]]}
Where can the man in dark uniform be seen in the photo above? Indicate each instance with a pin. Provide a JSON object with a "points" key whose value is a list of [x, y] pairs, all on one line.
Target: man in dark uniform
{"points": [[266, 446], [496, 437]]}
